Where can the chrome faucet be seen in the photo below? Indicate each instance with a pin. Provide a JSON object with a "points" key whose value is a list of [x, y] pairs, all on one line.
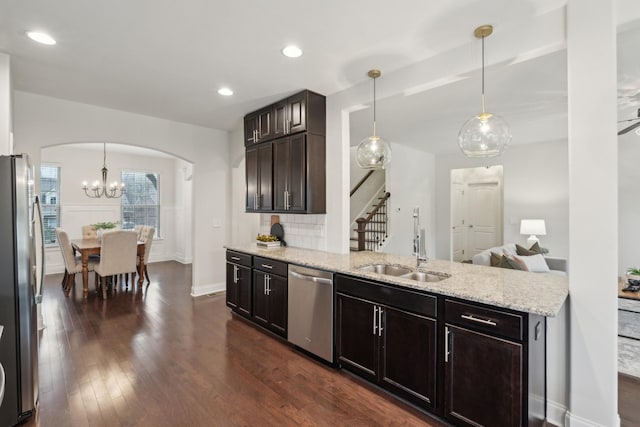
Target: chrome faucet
{"points": [[419, 249]]}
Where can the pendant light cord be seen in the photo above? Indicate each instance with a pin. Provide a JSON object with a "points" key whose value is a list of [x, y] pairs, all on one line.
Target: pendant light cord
{"points": [[374, 106], [104, 155], [483, 74]]}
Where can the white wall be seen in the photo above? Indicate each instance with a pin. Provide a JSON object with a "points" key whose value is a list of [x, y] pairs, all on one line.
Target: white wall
{"points": [[411, 182], [628, 202], [535, 186], [5, 104], [77, 165], [41, 121]]}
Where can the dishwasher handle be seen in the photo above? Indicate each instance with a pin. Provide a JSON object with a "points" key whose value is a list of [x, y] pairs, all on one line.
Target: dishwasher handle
{"points": [[320, 280]]}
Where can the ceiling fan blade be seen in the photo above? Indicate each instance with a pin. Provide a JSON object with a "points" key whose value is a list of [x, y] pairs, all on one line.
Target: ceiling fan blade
{"points": [[628, 128]]}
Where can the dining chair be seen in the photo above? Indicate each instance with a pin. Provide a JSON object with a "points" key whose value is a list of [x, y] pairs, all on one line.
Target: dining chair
{"points": [[118, 255], [147, 238], [72, 263], [89, 232], [139, 229]]}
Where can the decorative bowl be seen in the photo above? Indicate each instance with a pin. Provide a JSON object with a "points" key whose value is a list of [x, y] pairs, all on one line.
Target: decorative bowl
{"points": [[633, 276]]}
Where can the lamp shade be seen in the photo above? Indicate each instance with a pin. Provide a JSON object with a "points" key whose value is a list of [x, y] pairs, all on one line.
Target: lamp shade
{"points": [[533, 226]]}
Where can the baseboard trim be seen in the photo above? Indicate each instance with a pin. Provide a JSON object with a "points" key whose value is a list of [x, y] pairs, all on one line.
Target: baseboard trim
{"points": [[208, 289], [183, 260], [556, 413], [572, 420]]}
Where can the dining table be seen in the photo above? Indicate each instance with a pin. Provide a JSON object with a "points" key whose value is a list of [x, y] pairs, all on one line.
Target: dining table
{"points": [[88, 247]]}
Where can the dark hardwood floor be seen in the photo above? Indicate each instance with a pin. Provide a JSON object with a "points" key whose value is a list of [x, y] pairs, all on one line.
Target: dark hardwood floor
{"points": [[161, 358], [628, 396]]}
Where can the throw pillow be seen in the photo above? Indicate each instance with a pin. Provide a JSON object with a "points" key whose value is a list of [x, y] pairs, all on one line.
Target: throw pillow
{"points": [[503, 261], [533, 263], [534, 249]]}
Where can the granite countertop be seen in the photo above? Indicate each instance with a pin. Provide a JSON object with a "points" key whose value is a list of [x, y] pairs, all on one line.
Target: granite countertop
{"points": [[536, 293]]}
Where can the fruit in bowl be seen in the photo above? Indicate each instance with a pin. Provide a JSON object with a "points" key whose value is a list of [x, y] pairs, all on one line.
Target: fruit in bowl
{"points": [[266, 238]]}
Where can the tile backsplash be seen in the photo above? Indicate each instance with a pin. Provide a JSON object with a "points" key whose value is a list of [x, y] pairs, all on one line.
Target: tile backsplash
{"points": [[300, 231]]}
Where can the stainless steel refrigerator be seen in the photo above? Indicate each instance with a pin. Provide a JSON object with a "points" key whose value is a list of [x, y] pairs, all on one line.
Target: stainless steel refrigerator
{"points": [[21, 267]]}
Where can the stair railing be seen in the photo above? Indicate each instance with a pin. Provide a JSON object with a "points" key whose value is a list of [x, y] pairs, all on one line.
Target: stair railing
{"points": [[370, 228], [359, 184]]}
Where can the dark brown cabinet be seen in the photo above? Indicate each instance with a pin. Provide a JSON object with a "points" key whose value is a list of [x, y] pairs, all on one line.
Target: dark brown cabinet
{"points": [[494, 366], [258, 126], [388, 345], [259, 163], [297, 173], [289, 180], [239, 289], [270, 295]]}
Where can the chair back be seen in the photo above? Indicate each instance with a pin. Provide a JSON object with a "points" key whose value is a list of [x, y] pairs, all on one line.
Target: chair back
{"points": [[118, 252], [89, 232], [67, 250], [139, 229], [148, 240]]}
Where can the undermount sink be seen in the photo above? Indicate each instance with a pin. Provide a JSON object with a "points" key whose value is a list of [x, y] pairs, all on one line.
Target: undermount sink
{"points": [[425, 276], [404, 272], [388, 269]]}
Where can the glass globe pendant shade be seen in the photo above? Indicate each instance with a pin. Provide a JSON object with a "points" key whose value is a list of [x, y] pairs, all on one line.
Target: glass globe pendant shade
{"points": [[373, 152], [485, 135]]}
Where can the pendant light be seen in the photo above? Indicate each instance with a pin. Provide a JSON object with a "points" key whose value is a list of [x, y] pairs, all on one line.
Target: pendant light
{"points": [[485, 135], [373, 152]]}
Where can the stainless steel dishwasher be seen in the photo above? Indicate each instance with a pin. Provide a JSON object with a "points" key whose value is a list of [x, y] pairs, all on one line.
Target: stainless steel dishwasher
{"points": [[310, 316]]}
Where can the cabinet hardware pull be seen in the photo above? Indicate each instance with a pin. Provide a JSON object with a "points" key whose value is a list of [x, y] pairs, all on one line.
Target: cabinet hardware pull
{"points": [[268, 285], [234, 258], [446, 344], [380, 321], [320, 280], [267, 266], [256, 137], [475, 319], [264, 283], [375, 318], [235, 274], [258, 197]]}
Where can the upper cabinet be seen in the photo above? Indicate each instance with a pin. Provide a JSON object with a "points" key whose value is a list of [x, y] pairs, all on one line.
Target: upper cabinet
{"points": [[285, 156], [302, 112], [258, 126]]}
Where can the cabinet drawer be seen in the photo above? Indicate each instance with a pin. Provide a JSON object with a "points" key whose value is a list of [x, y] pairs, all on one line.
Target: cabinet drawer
{"points": [[239, 258], [484, 319], [382, 294], [271, 266]]}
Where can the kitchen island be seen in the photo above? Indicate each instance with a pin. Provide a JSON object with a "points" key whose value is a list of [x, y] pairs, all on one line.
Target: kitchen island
{"points": [[535, 293], [469, 346]]}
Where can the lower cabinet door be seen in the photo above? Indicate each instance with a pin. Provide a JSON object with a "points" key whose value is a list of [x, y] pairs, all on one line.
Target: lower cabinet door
{"points": [[244, 291], [260, 299], [483, 379], [408, 356], [277, 304], [232, 286], [357, 336]]}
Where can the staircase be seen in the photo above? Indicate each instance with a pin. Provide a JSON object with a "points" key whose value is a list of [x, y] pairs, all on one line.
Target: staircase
{"points": [[371, 231]]}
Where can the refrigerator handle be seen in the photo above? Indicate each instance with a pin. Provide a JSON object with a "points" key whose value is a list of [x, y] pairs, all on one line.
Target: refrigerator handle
{"points": [[38, 243]]}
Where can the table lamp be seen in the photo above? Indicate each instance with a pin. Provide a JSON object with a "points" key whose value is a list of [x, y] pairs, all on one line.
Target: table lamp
{"points": [[533, 227]]}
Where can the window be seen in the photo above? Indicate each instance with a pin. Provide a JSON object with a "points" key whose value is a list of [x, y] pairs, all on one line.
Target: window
{"points": [[140, 203], [50, 201]]}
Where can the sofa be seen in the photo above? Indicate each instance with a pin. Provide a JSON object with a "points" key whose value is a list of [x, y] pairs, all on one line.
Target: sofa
{"points": [[557, 266]]}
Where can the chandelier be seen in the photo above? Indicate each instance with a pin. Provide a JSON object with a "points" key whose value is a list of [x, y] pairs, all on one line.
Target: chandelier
{"points": [[97, 189]]}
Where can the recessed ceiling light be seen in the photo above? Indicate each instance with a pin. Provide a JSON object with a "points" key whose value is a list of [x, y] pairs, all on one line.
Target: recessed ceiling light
{"points": [[292, 51], [41, 37], [225, 91]]}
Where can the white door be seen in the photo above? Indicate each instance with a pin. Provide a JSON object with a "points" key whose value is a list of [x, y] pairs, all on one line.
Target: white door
{"points": [[458, 229], [484, 209]]}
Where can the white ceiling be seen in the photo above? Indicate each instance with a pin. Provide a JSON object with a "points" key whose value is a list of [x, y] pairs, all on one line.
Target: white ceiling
{"points": [[167, 59]]}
